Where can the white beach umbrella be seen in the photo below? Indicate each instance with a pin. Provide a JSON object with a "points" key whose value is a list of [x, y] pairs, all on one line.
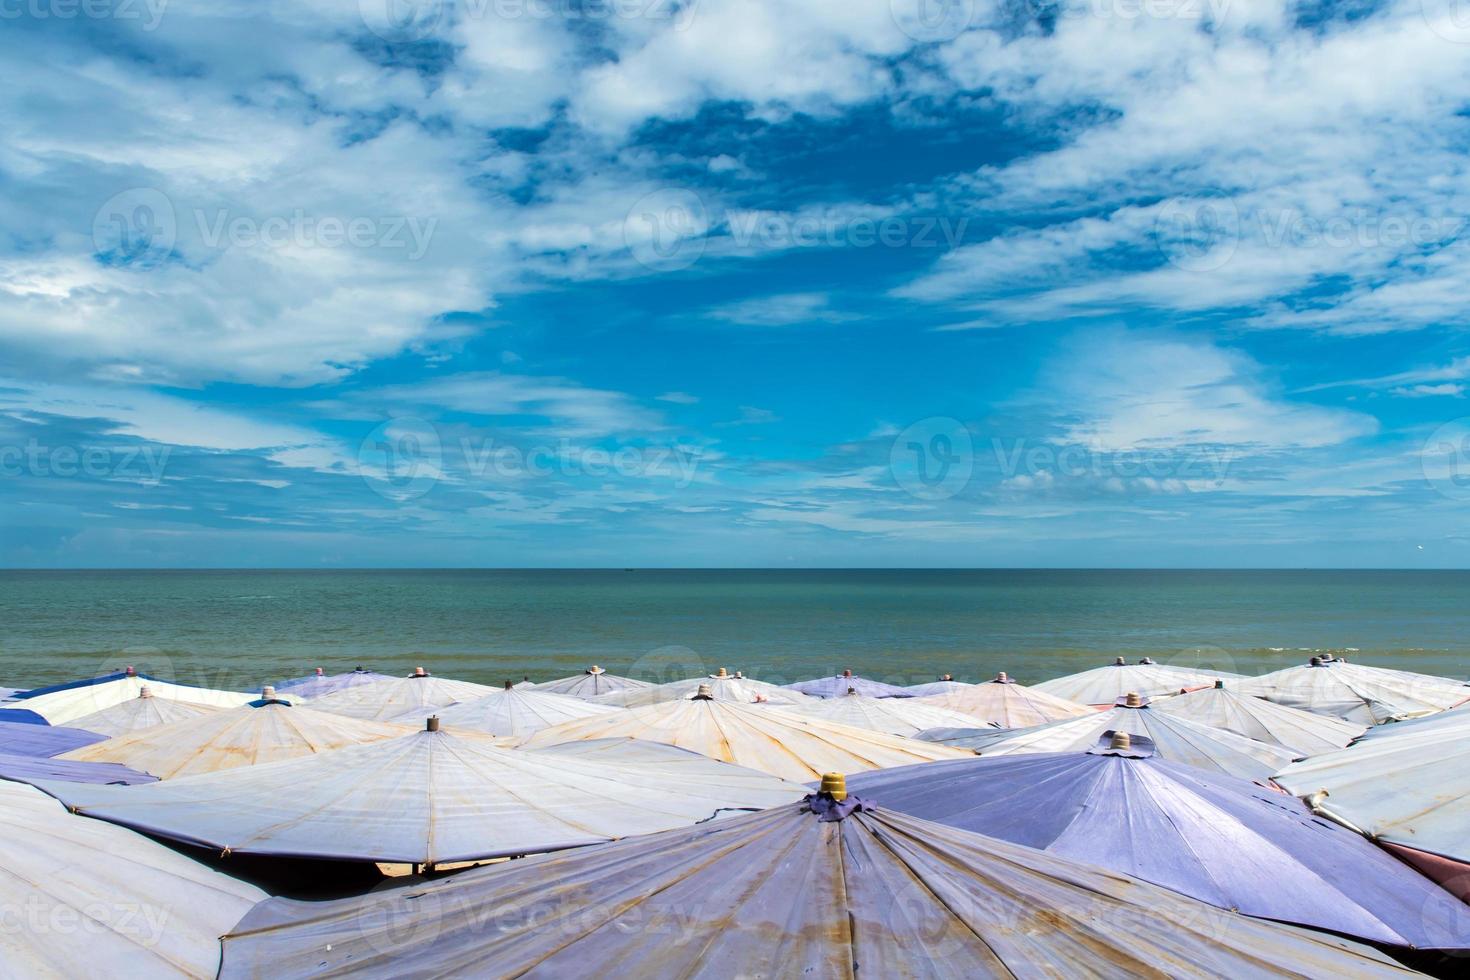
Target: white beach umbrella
{"points": [[820, 889], [946, 686], [143, 711], [1408, 792], [896, 716], [1004, 703], [757, 736], [1174, 738], [592, 682], [1223, 706], [65, 703], [434, 797], [81, 898], [722, 685], [515, 711], [1102, 686], [239, 737], [385, 700], [1355, 692]]}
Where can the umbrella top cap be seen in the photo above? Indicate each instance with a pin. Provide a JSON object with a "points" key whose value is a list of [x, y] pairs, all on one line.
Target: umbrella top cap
{"points": [[145, 692], [704, 693], [1121, 740], [852, 692], [320, 672], [268, 692], [1133, 700], [508, 685], [1219, 684], [129, 670], [847, 673], [834, 784], [1315, 662], [1120, 662], [432, 725], [739, 675], [594, 669], [722, 673], [1002, 678], [420, 672], [1147, 660]]}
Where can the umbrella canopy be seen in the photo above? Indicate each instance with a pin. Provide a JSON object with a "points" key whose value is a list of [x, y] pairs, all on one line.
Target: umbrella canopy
{"points": [[385, 700], [1406, 791], [759, 737], [431, 797], [1353, 692], [43, 741], [1226, 841], [63, 703], [1004, 703], [94, 900], [320, 683], [1223, 706], [836, 687], [936, 687], [515, 711], [896, 716], [20, 716], [245, 736], [1453, 719], [1102, 686], [815, 889], [1174, 738], [29, 769], [143, 711], [723, 686], [592, 682]]}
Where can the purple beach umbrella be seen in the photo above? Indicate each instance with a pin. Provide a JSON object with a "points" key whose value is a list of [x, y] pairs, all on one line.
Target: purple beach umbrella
{"points": [[845, 682], [320, 683], [1224, 840], [43, 741], [28, 769]]}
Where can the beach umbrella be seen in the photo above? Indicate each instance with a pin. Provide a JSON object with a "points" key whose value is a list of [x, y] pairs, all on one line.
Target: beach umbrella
{"points": [[30, 769], [1223, 706], [62, 703], [431, 797], [722, 685], [1102, 686], [824, 888], [6, 693], [20, 716], [592, 682], [896, 716], [384, 700], [1230, 842], [320, 683], [947, 685], [515, 711], [1176, 739], [757, 736], [43, 741], [267, 731], [1407, 792], [1451, 719], [1005, 703], [838, 686], [143, 711], [85, 899], [1356, 693]]}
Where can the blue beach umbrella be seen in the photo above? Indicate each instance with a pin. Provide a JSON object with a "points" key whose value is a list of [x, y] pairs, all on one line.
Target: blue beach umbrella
{"points": [[836, 687], [1223, 840], [21, 716], [829, 887]]}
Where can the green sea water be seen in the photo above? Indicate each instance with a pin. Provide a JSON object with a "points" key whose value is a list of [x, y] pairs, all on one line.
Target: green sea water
{"points": [[238, 629]]}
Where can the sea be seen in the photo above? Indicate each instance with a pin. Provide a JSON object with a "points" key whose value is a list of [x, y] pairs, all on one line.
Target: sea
{"points": [[241, 629]]}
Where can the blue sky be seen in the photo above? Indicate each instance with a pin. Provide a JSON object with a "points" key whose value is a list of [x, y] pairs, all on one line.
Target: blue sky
{"points": [[734, 282]]}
